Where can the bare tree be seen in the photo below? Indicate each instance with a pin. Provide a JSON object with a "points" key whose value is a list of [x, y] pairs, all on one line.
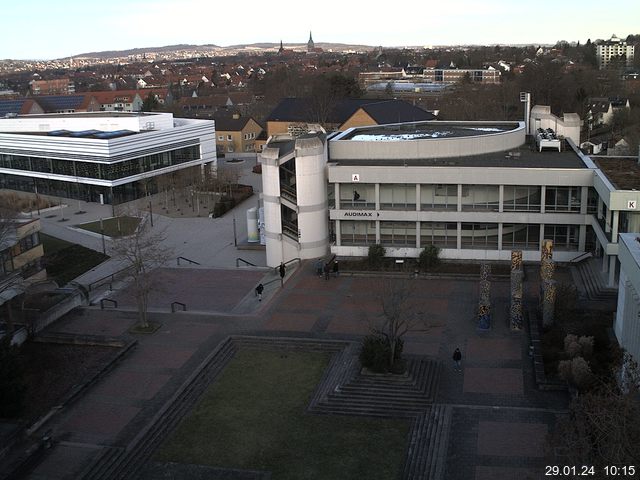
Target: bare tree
{"points": [[143, 252], [399, 315]]}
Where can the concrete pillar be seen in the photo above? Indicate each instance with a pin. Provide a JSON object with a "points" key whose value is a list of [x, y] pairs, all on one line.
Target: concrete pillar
{"points": [[605, 260], [499, 236], [584, 199], [338, 233], [541, 236], [501, 198], [612, 271], [607, 223], [336, 193], [459, 236], [582, 238], [418, 241], [459, 197], [378, 231], [418, 199], [600, 205], [377, 195], [543, 198], [614, 226]]}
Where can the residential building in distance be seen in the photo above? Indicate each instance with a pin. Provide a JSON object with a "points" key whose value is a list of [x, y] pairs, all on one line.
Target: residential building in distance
{"points": [[293, 115], [236, 133], [20, 256], [59, 86], [614, 48], [106, 157], [600, 111], [476, 190], [438, 76]]}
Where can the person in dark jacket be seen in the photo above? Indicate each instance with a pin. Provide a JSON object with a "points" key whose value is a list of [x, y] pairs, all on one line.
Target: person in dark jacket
{"points": [[259, 290], [336, 269], [457, 358]]}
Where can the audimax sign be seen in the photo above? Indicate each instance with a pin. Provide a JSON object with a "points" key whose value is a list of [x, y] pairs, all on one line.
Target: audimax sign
{"points": [[361, 214]]}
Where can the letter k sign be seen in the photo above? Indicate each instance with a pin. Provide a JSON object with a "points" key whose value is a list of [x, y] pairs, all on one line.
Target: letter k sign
{"points": [[632, 204]]}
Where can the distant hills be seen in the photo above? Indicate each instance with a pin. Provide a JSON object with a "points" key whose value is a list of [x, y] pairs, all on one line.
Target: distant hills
{"points": [[252, 46]]}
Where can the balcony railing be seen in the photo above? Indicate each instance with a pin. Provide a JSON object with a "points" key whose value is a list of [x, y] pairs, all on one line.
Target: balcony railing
{"points": [[290, 229], [289, 192]]}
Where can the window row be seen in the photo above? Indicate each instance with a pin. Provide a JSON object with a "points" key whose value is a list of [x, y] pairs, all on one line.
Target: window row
{"points": [[517, 198], [104, 171], [445, 235]]}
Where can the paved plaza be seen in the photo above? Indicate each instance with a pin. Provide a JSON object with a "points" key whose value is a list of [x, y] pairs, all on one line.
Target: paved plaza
{"points": [[499, 419]]}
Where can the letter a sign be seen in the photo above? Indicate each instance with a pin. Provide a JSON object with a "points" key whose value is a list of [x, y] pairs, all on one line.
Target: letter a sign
{"points": [[355, 177]]}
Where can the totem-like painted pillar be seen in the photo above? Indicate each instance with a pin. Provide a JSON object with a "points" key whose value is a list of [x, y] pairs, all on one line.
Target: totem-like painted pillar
{"points": [[516, 260], [549, 302], [517, 291], [484, 303]]}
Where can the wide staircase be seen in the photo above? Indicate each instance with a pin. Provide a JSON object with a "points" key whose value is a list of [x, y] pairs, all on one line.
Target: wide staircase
{"points": [[343, 390], [594, 281]]}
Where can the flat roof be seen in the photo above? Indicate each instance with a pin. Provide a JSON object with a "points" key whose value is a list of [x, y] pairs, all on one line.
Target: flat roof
{"points": [[524, 157], [427, 130], [90, 114], [622, 172], [94, 134]]}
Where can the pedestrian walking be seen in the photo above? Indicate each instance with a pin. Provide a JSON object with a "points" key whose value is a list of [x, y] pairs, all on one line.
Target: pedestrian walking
{"points": [[259, 290], [457, 358], [326, 271], [282, 270], [336, 269], [319, 267]]}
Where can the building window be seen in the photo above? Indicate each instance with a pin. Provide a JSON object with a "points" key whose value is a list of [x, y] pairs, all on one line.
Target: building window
{"points": [[229, 138], [562, 199], [480, 235], [398, 234], [443, 235], [357, 233], [439, 197], [521, 198], [565, 237], [398, 197], [481, 197], [220, 138], [357, 196], [520, 236]]}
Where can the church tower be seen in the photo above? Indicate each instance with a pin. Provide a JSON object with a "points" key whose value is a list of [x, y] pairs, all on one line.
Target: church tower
{"points": [[281, 49], [310, 45]]}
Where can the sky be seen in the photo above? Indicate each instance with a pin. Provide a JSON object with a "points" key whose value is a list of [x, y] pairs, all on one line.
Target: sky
{"points": [[48, 29]]}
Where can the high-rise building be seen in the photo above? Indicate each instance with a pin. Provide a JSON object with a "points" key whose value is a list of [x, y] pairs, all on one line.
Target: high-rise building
{"points": [[614, 48]]}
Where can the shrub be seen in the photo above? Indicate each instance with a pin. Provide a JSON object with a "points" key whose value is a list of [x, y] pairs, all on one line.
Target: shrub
{"points": [[376, 255], [429, 257], [12, 387], [374, 353], [576, 372], [586, 345]]}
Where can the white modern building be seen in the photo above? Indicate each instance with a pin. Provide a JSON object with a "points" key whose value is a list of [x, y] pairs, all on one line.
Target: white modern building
{"points": [[477, 190], [108, 157], [627, 323], [614, 48]]}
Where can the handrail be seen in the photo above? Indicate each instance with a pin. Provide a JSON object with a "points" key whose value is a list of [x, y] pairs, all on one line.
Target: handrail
{"points": [[244, 261], [581, 257], [297, 259], [115, 304], [173, 306], [110, 277], [184, 258]]}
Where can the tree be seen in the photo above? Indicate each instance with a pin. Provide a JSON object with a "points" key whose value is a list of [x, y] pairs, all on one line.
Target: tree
{"points": [[398, 317], [150, 103], [602, 427], [143, 252]]}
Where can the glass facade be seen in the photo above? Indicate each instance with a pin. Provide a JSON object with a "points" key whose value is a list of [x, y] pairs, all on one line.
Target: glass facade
{"points": [[480, 235], [480, 197], [521, 198], [102, 171], [562, 199], [398, 197], [443, 235], [354, 233], [398, 234], [439, 197], [361, 196], [520, 236]]}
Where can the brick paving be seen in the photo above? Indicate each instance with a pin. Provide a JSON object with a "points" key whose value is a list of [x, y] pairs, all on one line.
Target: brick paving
{"points": [[499, 417]]}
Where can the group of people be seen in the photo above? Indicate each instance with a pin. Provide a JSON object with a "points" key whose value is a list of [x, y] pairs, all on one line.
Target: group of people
{"points": [[327, 268]]}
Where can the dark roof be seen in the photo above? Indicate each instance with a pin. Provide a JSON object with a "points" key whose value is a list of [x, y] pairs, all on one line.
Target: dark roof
{"points": [[396, 111], [55, 103], [11, 107], [227, 123], [302, 110]]}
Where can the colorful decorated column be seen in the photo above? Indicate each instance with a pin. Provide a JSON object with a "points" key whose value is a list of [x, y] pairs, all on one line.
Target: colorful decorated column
{"points": [[484, 303]]}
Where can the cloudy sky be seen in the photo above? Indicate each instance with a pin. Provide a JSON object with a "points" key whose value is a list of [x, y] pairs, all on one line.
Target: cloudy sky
{"points": [[45, 29]]}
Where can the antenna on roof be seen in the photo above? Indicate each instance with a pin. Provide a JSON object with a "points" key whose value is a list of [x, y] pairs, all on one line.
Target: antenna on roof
{"points": [[525, 97]]}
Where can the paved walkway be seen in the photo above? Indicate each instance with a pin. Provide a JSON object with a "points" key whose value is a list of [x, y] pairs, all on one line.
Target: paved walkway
{"points": [[499, 419]]}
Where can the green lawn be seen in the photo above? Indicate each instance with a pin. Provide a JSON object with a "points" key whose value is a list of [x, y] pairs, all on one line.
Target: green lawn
{"points": [[253, 418], [65, 261], [114, 227]]}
